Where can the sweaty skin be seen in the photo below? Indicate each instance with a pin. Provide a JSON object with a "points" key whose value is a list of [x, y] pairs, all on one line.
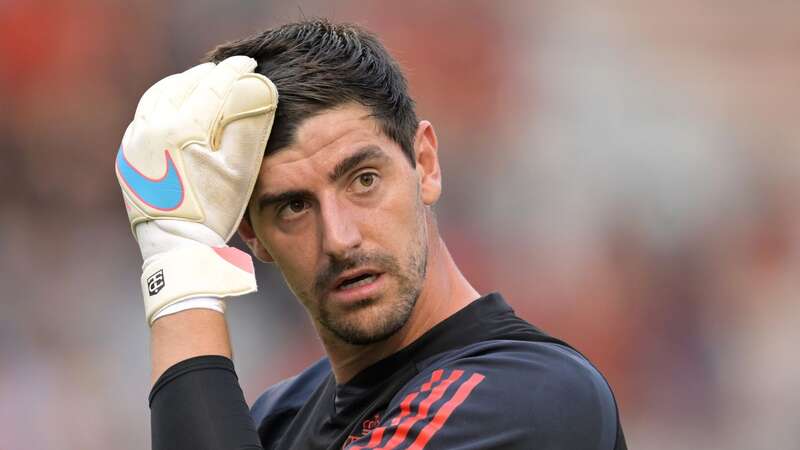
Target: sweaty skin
{"points": [[321, 220]]}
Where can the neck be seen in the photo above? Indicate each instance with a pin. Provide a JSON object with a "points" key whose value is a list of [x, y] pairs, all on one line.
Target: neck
{"points": [[445, 291]]}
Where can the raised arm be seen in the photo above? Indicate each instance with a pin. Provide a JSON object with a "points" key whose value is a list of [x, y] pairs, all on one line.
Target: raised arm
{"points": [[187, 166], [187, 334]]}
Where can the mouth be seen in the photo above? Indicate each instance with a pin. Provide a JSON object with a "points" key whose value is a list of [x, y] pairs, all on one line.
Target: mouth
{"points": [[355, 279], [353, 288]]}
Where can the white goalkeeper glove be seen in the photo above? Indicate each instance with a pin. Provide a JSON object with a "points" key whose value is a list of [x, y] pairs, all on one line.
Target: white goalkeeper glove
{"points": [[187, 166]]}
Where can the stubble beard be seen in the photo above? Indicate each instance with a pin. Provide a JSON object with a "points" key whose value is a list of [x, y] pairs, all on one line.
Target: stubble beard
{"points": [[374, 320]]}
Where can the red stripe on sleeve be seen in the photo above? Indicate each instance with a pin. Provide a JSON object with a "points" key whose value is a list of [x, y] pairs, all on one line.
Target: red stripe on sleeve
{"points": [[436, 376], [405, 409], [402, 431], [406, 405], [376, 435], [444, 412]]}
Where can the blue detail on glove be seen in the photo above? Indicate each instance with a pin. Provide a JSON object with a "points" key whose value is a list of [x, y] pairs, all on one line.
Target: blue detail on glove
{"points": [[165, 193]]}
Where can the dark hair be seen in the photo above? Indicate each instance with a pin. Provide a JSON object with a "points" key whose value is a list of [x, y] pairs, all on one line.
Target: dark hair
{"points": [[317, 65]]}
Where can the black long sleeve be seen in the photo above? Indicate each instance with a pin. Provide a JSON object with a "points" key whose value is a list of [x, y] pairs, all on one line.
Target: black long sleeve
{"points": [[197, 404]]}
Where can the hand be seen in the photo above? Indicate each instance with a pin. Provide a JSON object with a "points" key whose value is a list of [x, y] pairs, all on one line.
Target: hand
{"points": [[187, 166]]}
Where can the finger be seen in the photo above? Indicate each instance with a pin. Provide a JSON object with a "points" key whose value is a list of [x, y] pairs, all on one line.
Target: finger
{"points": [[204, 103], [189, 80], [176, 88], [147, 104], [253, 96], [170, 86]]}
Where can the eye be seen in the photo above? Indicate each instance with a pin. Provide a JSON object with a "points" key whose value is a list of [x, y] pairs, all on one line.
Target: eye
{"points": [[366, 179], [293, 208], [365, 182]]}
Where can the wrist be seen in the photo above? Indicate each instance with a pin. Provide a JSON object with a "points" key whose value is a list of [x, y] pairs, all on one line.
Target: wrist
{"points": [[212, 303], [187, 334]]}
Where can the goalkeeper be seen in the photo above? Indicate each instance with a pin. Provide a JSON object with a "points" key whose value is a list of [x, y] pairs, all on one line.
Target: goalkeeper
{"points": [[305, 140]]}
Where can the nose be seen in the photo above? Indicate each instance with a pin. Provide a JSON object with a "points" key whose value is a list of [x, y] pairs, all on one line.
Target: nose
{"points": [[340, 231]]}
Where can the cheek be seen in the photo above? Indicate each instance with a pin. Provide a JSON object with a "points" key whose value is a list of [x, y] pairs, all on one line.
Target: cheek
{"points": [[396, 219], [296, 258]]}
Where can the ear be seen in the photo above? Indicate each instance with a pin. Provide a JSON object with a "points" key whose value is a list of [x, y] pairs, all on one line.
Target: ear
{"points": [[249, 237], [426, 156]]}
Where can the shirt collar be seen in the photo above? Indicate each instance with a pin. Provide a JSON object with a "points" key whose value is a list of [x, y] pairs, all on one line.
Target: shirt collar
{"points": [[476, 322]]}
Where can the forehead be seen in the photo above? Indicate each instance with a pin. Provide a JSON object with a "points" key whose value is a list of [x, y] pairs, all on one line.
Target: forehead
{"points": [[323, 140]]}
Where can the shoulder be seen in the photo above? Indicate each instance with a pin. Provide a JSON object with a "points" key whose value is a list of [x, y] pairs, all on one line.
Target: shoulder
{"points": [[505, 394], [531, 365], [288, 396]]}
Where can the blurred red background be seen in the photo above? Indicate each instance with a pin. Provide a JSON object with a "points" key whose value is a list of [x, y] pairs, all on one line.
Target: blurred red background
{"points": [[625, 173]]}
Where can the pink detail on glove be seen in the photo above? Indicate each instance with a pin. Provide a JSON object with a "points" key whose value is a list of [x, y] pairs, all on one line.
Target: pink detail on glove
{"points": [[236, 257]]}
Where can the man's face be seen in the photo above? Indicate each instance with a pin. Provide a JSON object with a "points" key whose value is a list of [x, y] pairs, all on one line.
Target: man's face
{"points": [[343, 215]]}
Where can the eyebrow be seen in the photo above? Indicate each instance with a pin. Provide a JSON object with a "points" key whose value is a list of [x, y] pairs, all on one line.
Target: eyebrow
{"points": [[341, 169], [266, 200], [346, 165]]}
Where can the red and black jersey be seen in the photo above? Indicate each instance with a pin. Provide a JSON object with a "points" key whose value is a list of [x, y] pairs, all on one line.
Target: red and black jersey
{"points": [[481, 379]]}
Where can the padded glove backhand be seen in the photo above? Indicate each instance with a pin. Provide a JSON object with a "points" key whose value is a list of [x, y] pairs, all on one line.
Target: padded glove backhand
{"points": [[187, 167]]}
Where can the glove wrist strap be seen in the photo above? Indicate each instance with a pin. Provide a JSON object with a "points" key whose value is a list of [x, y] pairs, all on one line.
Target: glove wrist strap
{"points": [[195, 271]]}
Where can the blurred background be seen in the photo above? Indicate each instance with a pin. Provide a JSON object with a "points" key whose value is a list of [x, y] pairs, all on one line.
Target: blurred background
{"points": [[626, 173]]}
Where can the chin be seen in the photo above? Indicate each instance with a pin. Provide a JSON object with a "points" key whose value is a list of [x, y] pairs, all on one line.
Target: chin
{"points": [[369, 322]]}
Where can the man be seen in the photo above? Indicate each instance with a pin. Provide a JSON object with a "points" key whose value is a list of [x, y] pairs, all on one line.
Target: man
{"points": [[338, 193]]}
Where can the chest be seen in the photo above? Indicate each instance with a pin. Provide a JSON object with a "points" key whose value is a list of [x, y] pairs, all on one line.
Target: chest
{"points": [[320, 425]]}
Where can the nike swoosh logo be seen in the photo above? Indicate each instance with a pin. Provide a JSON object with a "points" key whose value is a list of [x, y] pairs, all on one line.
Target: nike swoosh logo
{"points": [[165, 193]]}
